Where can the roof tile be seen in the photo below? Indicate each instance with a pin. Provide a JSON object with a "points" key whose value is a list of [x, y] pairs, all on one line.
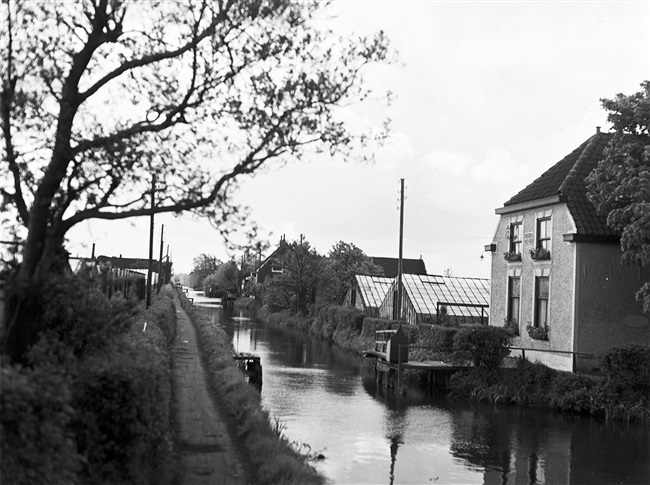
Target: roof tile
{"points": [[567, 178]]}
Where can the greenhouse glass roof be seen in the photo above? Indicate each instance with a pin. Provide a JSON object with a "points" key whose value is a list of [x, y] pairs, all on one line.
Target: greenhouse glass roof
{"points": [[373, 289], [457, 294]]}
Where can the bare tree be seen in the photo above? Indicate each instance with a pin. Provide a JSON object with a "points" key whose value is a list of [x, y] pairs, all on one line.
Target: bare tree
{"points": [[99, 95]]}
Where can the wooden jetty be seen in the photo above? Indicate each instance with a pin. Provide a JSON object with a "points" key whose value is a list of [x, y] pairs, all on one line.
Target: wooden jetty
{"points": [[251, 366], [392, 359]]}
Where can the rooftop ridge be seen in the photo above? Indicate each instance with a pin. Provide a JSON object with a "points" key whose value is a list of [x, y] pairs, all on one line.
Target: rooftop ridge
{"points": [[583, 159]]}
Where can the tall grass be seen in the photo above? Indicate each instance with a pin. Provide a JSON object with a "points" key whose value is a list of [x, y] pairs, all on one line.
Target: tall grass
{"points": [[271, 456]]}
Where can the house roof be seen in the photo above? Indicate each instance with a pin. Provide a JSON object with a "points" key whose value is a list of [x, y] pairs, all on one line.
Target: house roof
{"points": [[277, 252], [128, 263], [566, 180], [425, 292], [373, 289], [409, 266]]}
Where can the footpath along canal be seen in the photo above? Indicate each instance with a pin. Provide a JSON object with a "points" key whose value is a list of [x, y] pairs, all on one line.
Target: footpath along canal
{"points": [[328, 399]]}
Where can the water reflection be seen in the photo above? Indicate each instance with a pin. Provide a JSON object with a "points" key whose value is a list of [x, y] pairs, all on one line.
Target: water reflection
{"points": [[330, 400]]}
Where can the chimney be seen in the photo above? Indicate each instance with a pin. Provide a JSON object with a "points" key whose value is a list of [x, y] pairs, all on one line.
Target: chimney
{"points": [[597, 129]]}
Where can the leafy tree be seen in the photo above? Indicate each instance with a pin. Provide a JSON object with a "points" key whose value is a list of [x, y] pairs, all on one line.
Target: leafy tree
{"points": [[97, 96], [226, 278], [295, 288], [343, 262], [203, 266], [619, 186]]}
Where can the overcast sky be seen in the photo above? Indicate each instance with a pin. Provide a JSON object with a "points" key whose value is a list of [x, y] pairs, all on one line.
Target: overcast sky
{"points": [[488, 95]]}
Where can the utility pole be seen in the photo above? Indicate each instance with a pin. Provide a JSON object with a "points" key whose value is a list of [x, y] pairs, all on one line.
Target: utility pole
{"points": [[160, 263], [398, 304], [149, 268], [167, 267]]}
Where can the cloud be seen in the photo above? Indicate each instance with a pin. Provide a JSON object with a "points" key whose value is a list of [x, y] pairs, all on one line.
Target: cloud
{"points": [[448, 163], [498, 167], [396, 148]]}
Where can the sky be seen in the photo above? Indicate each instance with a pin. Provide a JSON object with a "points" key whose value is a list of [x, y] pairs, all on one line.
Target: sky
{"points": [[487, 96]]}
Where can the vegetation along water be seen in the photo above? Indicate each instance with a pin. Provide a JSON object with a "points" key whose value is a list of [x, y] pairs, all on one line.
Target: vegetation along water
{"points": [[330, 407]]}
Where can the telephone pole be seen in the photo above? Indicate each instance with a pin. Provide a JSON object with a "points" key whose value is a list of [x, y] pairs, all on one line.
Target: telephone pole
{"points": [[160, 263], [398, 304], [150, 265]]}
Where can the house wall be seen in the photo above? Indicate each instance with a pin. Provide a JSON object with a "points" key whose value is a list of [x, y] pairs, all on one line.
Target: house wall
{"points": [[560, 270], [607, 312]]}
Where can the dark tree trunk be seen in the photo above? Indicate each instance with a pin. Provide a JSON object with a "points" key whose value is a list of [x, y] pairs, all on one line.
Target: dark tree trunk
{"points": [[25, 298]]}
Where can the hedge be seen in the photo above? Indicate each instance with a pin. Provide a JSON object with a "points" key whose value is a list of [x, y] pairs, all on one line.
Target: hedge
{"points": [[94, 405]]}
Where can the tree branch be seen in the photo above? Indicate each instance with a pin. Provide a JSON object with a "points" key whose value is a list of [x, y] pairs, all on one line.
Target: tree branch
{"points": [[153, 58], [6, 100]]}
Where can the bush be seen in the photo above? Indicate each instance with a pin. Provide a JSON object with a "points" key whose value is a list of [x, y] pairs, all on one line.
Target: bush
{"points": [[574, 393], [628, 366], [98, 382], [484, 345], [78, 321], [122, 396], [36, 443], [439, 337]]}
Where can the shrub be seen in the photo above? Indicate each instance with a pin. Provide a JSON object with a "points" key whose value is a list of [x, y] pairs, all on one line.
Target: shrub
{"points": [[36, 444], [484, 345], [77, 321], [628, 366], [122, 396], [571, 392], [439, 337]]}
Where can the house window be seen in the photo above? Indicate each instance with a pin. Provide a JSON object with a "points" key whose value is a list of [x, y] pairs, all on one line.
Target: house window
{"points": [[514, 293], [541, 301], [543, 233], [515, 238]]}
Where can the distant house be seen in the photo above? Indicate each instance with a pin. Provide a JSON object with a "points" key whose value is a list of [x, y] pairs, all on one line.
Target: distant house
{"points": [[426, 297], [368, 292], [271, 264], [409, 266], [556, 266]]}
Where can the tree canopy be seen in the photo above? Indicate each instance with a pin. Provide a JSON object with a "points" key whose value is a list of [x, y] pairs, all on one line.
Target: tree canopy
{"points": [[203, 266], [620, 185], [344, 261], [295, 288], [98, 96]]}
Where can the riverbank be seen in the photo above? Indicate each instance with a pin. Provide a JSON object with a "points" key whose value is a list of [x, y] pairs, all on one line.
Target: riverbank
{"points": [[623, 394], [268, 456]]}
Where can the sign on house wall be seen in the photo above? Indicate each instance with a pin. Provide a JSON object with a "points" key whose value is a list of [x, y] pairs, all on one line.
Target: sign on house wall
{"points": [[528, 239]]}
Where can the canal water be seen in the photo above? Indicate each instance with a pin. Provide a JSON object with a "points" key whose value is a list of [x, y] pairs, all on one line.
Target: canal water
{"points": [[328, 404]]}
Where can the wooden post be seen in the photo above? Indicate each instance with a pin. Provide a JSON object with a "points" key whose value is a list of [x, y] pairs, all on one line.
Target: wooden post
{"points": [[399, 261], [160, 263], [149, 268]]}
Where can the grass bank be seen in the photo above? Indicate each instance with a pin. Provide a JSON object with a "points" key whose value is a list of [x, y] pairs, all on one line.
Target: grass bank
{"points": [[623, 393], [270, 455], [93, 403]]}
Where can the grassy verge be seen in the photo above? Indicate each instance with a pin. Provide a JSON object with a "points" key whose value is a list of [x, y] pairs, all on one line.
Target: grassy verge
{"points": [[271, 457]]}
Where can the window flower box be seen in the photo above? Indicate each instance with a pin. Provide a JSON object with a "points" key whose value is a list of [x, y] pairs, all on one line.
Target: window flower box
{"points": [[510, 256], [538, 333], [540, 254], [511, 325]]}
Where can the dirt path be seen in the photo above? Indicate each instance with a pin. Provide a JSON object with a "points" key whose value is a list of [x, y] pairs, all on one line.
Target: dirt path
{"points": [[207, 454]]}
